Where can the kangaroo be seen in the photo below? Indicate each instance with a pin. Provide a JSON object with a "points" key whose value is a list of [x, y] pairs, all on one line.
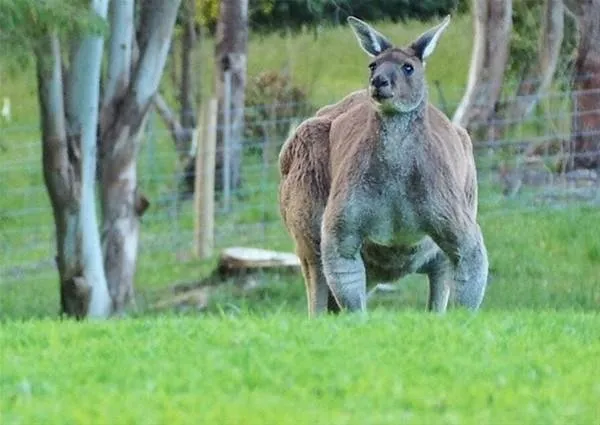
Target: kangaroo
{"points": [[382, 184]]}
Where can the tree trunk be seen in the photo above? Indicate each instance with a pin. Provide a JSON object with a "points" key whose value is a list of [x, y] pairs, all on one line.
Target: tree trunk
{"points": [[62, 176], [182, 136], [585, 128], [492, 24], [230, 54], [68, 146], [182, 130], [539, 76], [187, 86], [124, 115], [82, 109], [120, 58]]}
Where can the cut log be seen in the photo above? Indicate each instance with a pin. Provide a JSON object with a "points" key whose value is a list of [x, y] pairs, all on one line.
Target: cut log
{"points": [[242, 264], [238, 264], [238, 259]]}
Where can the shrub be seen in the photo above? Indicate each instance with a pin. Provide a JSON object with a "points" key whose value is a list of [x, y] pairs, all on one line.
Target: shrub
{"points": [[269, 15], [524, 42], [273, 103]]}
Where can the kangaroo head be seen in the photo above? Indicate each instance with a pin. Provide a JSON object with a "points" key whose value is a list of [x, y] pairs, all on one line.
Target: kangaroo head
{"points": [[397, 75]]}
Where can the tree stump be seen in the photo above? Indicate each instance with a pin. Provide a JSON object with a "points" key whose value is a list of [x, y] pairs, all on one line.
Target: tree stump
{"points": [[238, 261], [244, 266]]}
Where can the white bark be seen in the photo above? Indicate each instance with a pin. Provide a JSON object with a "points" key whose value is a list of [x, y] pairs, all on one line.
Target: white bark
{"points": [[83, 104], [231, 46], [539, 79], [477, 60], [492, 25], [61, 176], [182, 136], [122, 204], [120, 48], [188, 71], [550, 40], [158, 32], [54, 93]]}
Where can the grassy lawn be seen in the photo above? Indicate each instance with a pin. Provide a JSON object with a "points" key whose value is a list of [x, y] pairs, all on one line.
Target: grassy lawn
{"points": [[538, 260], [495, 368]]}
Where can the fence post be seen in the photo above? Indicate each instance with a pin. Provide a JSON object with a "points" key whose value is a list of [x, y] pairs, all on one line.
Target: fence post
{"points": [[204, 182], [226, 139]]}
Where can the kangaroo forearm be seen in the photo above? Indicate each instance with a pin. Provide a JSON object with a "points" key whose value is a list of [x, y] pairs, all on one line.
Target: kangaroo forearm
{"points": [[471, 274], [347, 279]]}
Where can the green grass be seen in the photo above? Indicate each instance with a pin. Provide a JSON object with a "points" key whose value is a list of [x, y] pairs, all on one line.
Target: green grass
{"points": [[538, 260], [410, 368]]}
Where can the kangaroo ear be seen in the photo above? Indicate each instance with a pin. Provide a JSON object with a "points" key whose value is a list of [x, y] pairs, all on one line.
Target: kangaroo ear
{"points": [[425, 44], [370, 40]]}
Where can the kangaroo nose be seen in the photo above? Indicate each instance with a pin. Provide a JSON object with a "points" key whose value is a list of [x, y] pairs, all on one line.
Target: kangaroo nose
{"points": [[380, 81]]}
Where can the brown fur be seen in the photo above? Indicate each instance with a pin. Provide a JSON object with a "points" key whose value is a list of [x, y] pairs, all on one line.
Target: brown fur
{"points": [[392, 195]]}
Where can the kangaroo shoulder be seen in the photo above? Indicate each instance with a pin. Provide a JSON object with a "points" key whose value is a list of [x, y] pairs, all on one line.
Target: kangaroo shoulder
{"points": [[471, 181], [335, 110], [465, 138], [310, 135], [440, 123]]}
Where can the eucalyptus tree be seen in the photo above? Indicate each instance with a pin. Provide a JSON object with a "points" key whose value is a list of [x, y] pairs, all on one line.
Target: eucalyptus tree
{"points": [[88, 135]]}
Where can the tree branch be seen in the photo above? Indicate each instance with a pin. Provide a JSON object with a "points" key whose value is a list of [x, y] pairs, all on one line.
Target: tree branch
{"points": [[120, 49], [53, 123], [187, 86], [493, 23], [536, 82], [158, 20], [181, 136]]}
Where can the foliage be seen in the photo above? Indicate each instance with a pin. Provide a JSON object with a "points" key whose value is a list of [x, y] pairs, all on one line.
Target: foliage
{"points": [[268, 15], [298, 13], [23, 22], [525, 37], [207, 11], [272, 100]]}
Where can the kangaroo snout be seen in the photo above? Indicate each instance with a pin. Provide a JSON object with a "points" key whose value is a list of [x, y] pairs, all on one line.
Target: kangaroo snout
{"points": [[381, 87], [380, 81]]}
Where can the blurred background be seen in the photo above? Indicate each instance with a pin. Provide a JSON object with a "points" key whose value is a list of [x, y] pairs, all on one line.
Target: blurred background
{"points": [[522, 76]]}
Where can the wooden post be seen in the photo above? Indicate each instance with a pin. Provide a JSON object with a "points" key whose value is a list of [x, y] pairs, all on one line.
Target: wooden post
{"points": [[226, 139], [204, 183]]}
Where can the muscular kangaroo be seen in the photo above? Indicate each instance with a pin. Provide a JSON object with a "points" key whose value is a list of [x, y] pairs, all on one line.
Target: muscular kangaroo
{"points": [[381, 185]]}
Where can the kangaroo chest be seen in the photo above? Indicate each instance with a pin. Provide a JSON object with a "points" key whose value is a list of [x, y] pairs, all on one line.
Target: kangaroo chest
{"points": [[395, 181], [395, 243], [395, 218]]}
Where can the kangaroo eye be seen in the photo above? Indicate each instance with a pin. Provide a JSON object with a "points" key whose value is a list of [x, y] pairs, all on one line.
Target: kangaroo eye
{"points": [[407, 69], [372, 66]]}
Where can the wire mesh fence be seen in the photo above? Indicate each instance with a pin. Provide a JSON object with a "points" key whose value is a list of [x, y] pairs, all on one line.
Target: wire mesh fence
{"points": [[520, 160]]}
